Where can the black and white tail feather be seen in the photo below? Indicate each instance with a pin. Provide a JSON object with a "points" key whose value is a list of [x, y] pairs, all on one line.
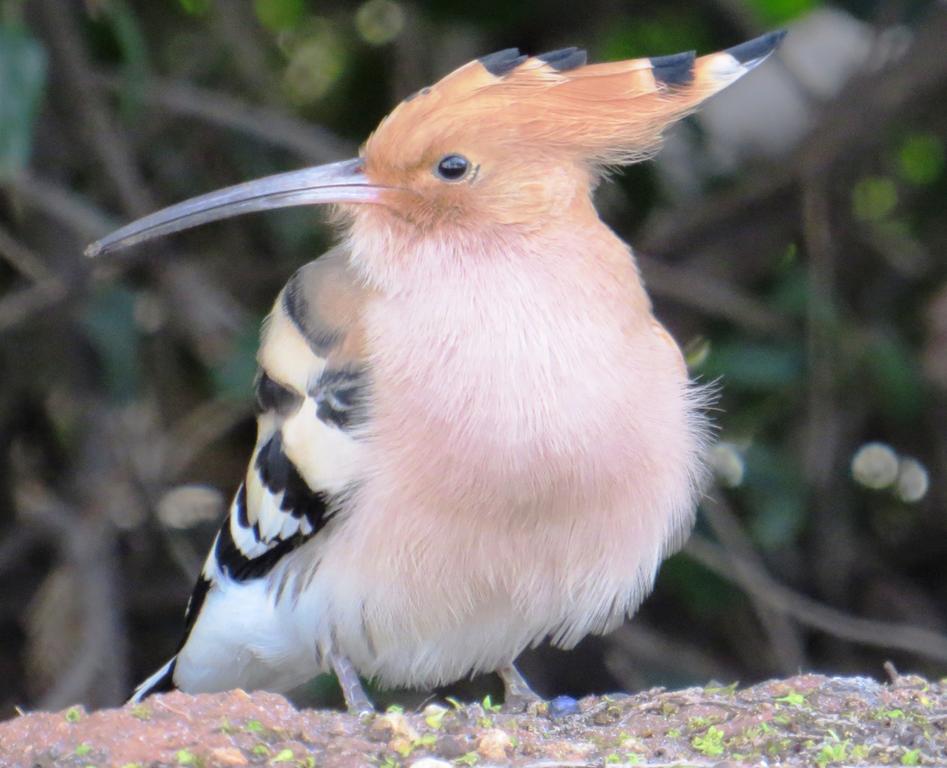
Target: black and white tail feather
{"points": [[241, 552]]}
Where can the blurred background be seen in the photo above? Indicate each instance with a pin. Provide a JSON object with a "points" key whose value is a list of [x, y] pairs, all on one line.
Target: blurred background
{"points": [[793, 236]]}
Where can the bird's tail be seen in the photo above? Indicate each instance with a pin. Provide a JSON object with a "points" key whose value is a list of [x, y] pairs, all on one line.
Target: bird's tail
{"points": [[161, 681]]}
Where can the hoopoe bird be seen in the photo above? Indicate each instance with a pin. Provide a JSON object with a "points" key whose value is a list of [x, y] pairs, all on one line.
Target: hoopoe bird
{"points": [[473, 434]]}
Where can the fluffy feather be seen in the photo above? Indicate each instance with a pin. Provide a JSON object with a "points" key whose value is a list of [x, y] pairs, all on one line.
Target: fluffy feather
{"points": [[473, 434]]}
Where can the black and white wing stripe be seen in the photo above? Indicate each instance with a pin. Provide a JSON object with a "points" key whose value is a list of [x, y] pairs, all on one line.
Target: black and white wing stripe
{"points": [[310, 394]]}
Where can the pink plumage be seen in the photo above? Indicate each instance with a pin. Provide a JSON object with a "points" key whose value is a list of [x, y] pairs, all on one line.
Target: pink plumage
{"points": [[473, 433]]}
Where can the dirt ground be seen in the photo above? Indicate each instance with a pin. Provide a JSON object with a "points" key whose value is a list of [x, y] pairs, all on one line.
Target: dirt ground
{"points": [[808, 720]]}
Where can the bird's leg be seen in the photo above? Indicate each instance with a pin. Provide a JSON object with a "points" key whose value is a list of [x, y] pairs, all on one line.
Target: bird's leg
{"points": [[356, 700], [517, 693]]}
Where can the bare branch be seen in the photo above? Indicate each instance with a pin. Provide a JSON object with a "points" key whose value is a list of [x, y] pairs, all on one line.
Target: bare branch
{"points": [[61, 204], [310, 141], [25, 304], [812, 613], [198, 429], [711, 296], [22, 258], [782, 632]]}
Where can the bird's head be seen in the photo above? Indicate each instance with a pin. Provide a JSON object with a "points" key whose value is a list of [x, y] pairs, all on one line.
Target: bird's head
{"points": [[505, 140], [515, 139]]}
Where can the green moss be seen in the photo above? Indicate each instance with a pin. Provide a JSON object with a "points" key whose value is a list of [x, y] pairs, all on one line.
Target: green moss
{"points": [[911, 757], [776, 747], [709, 743], [793, 699], [833, 752], [435, 719], [757, 731], [73, 715], [725, 690], [782, 719], [698, 723]]}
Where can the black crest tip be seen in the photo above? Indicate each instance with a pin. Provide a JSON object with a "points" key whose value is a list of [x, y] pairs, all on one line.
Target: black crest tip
{"points": [[501, 62], [676, 69], [564, 59], [757, 49]]}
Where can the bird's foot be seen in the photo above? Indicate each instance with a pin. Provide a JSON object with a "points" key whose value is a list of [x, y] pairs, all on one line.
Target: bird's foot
{"points": [[356, 700], [518, 696]]}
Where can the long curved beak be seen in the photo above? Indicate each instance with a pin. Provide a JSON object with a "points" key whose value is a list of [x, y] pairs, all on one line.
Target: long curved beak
{"points": [[342, 182]]}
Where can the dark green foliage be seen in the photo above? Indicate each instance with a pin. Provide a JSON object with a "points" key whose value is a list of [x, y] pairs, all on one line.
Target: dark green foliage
{"points": [[22, 80]]}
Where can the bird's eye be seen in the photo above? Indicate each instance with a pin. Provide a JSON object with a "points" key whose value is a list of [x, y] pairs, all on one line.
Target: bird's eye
{"points": [[452, 167]]}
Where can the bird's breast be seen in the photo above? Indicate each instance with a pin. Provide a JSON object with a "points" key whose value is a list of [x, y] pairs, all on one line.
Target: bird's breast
{"points": [[520, 390]]}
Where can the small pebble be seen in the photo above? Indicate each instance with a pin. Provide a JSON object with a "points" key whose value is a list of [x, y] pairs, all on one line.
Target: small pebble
{"points": [[434, 710], [562, 706], [393, 724], [228, 756], [452, 746], [430, 762], [401, 745], [493, 744], [434, 715]]}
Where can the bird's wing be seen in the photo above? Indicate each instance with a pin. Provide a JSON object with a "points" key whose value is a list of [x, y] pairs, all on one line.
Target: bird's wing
{"points": [[309, 393]]}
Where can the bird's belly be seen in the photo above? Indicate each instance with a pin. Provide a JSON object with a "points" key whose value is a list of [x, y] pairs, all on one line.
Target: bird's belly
{"points": [[422, 601]]}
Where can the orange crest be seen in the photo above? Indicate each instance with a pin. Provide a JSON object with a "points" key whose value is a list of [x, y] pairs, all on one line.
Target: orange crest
{"points": [[556, 105]]}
